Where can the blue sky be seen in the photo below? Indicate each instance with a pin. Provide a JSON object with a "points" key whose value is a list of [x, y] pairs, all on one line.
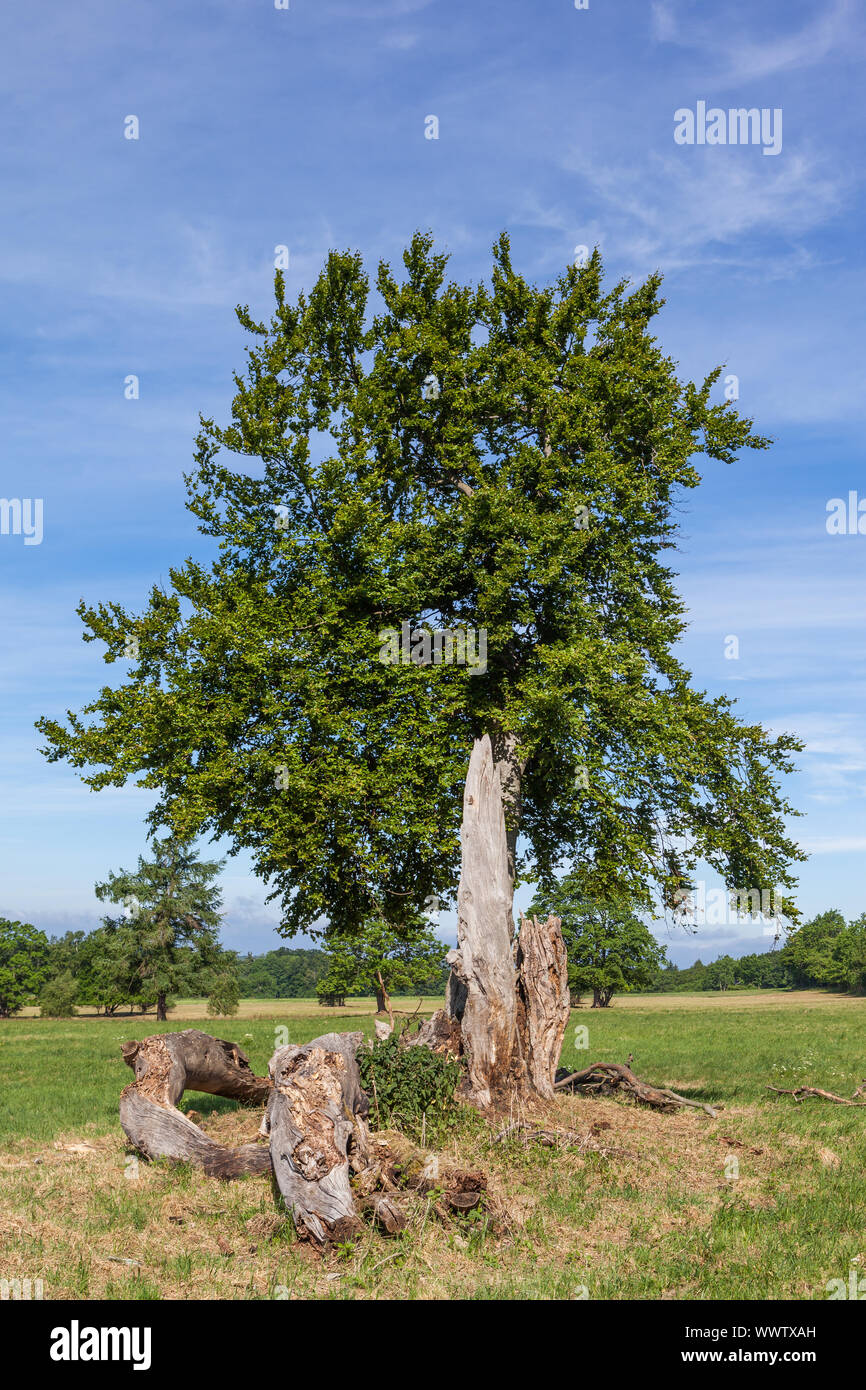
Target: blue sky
{"points": [[305, 127]]}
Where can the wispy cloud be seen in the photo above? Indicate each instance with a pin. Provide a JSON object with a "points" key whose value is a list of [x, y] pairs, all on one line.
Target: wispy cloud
{"points": [[739, 59]]}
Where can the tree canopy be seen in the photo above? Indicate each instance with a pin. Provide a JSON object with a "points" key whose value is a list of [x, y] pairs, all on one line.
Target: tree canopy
{"points": [[501, 459], [23, 964]]}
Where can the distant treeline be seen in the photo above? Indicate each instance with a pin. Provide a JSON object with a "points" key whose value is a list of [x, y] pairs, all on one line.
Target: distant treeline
{"points": [[294, 973], [825, 953]]}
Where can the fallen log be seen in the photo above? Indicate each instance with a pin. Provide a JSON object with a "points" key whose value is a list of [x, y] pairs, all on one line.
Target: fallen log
{"points": [[801, 1093], [166, 1065], [316, 1107], [608, 1077]]}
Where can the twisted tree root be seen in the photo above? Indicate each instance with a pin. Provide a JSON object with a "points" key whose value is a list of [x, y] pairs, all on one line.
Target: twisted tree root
{"points": [[613, 1076]]}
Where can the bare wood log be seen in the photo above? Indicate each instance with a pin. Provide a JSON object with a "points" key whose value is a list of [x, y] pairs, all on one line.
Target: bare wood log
{"points": [[543, 1001], [198, 1063], [482, 994], [166, 1065], [312, 1110], [613, 1076], [801, 1093]]}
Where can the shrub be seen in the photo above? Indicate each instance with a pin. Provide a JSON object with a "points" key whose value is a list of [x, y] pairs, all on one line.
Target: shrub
{"points": [[57, 998], [410, 1088], [224, 996]]}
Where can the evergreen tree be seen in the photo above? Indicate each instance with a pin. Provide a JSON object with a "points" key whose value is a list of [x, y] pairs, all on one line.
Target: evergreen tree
{"points": [[172, 902]]}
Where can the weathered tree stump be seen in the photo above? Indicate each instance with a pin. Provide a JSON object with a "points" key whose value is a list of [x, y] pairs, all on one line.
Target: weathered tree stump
{"points": [[166, 1065], [543, 1001], [482, 996], [507, 1004], [315, 1108]]}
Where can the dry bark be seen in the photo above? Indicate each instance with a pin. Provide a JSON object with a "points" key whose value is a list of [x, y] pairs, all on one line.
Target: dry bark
{"points": [[166, 1065], [507, 1003], [315, 1108], [543, 1001], [482, 995]]}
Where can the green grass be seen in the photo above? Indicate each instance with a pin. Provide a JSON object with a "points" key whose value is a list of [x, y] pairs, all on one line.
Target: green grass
{"points": [[664, 1220], [63, 1075]]}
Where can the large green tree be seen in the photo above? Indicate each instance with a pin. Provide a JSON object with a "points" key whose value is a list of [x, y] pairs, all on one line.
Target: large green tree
{"points": [[501, 458], [172, 906], [815, 952], [24, 953]]}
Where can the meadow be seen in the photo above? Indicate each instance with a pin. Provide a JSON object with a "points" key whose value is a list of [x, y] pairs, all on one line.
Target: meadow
{"points": [[765, 1202]]}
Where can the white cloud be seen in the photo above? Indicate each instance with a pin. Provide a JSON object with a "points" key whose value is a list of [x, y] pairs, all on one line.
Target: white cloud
{"points": [[739, 59]]}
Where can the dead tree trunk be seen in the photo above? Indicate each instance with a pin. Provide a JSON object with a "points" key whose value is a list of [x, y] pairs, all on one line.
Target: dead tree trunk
{"points": [[507, 1004], [314, 1108], [165, 1066], [543, 1001], [482, 994], [161, 1014]]}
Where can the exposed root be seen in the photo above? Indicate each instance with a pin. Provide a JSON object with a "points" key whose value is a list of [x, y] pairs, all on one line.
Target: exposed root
{"points": [[607, 1077]]}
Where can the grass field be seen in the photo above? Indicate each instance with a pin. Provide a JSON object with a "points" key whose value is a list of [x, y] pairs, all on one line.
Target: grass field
{"points": [[671, 1218]]}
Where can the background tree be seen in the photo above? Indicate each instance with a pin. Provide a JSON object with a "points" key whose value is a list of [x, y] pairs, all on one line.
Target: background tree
{"points": [[721, 973], [173, 904], [225, 994], [852, 951], [281, 974], [23, 964], [58, 996], [379, 960], [609, 947], [501, 457], [813, 951]]}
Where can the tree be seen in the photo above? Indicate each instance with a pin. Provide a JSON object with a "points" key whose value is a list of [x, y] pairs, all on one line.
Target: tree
{"points": [[813, 951], [850, 952], [225, 994], [23, 964], [57, 998], [721, 974], [609, 947], [173, 904], [494, 466], [381, 961]]}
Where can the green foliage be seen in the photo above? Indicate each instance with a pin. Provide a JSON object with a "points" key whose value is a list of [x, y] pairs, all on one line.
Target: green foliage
{"points": [[410, 1088], [168, 942], [609, 947], [281, 974], [225, 995], [24, 955], [721, 974], [816, 952], [57, 998], [380, 960], [532, 498]]}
